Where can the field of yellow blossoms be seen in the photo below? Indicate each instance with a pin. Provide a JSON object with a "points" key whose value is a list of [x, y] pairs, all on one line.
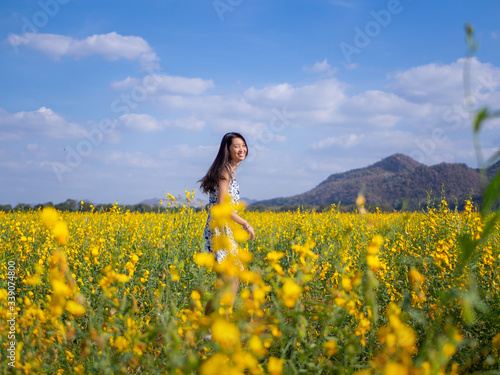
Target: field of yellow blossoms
{"points": [[322, 292]]}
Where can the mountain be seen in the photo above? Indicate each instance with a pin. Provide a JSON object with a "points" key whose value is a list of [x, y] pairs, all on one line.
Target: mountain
{"points": [[248, 201], [397, 181]]}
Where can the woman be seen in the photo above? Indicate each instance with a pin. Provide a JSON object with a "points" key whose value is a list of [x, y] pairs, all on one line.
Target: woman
{"points": [[219, 182]]}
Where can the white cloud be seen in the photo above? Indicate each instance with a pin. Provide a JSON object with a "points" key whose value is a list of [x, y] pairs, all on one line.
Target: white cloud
{"points": [[189, 123], [146, 123], [281, 92], [374, 108], [130, 159], [344, 141], [444, 84], [111, 46], [351, 66], [138, 122], [156, 84], [182, 85], [43, 121], [125, 84], [212, 107], [375, 122], [187, 151], [323, 94], [324, 166], [320, 67]]}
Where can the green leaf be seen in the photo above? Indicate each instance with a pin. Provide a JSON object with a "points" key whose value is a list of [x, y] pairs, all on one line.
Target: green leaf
{"points": [[469, 30], [481, 115], [467, 246], [491, 195]]}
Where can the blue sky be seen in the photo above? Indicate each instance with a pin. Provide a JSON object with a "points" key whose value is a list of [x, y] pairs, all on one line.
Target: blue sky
{"points": [[121, 101]]}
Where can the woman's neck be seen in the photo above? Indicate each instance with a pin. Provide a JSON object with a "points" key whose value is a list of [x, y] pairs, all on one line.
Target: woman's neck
{"points": [[234, 165]]}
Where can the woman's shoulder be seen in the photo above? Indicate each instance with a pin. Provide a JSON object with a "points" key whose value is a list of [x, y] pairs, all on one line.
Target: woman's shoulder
{"points": [[226, 173]]}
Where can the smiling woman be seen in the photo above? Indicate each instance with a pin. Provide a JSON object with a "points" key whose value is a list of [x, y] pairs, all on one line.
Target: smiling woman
{"points": [[220, 184]]}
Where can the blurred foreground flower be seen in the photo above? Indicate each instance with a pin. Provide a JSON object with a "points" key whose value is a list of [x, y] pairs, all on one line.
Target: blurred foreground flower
{"points": [[226, 334], [59, 228], [275, 366], [372, 252], [290, 292]]}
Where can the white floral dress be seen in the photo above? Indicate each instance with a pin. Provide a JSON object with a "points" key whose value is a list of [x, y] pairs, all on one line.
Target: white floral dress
{"points": [[221, 254]]}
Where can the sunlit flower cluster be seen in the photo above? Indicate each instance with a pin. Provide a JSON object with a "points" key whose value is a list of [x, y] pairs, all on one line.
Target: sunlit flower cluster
{"points": [[321, 292]]}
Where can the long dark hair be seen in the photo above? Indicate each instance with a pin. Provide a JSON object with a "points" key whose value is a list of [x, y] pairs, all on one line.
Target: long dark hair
{"points": [[222, 161]]}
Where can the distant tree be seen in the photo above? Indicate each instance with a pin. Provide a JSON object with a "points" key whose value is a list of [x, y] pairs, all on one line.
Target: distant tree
{"points": [[85, 207], [5, 207], [22, 207], [70, 205]]}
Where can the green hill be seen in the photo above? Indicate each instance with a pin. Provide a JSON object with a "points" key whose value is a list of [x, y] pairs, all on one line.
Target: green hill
{"points": [[396, 182]]}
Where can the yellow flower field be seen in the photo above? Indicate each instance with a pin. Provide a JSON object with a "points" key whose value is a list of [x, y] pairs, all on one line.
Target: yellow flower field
{"points": [[322, 292]]}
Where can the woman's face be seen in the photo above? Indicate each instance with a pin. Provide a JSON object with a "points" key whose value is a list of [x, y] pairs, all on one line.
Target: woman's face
{"points": [[238, 150]]}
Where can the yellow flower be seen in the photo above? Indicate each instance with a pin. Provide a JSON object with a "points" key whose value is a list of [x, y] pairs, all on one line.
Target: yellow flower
{"points": [[330, 347], [239, 234], [60, 288], [393, 368], [221, 213], [49, 217], [121, 343], [275, 331], [244, 256], [275, 366], [174, 273], [495, 341], [248, 276], [204, 259], [226, 334], [364, 326], [360, 200], [27, 301], [121, 278], [33, 280], [215, 365], [279, 269], [406, 338], [195, 295], [373, 262], [390, 340], [228, 266], [291, 292], [416, 277], [57, 306], [227, 299], [449, 349], [69, 356], [346, 283], [274, 256], [61, 233], [75, 308], [243, 360], [256, 346], [375, 244]]}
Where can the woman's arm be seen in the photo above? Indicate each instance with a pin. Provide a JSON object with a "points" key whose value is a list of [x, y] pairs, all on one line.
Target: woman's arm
{"points": [[223, 191]]}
